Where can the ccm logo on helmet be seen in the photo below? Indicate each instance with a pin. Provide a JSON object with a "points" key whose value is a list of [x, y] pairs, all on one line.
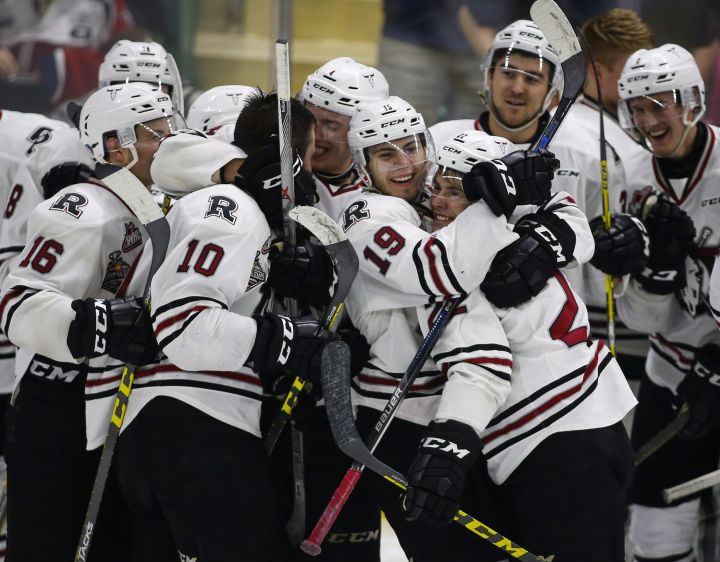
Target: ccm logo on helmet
{"points": [[323, 89], [445, 446], [393, 122], [533, 35], [638, 78]]}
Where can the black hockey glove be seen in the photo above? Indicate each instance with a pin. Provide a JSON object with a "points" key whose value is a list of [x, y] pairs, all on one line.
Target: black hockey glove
{"points": [[701, 390], [302, 272], [288, 347], [120, 328], [623, 249], [671, 232], [522, 269], [63, 175], [519, 178], [259, 177], [436, 477]]}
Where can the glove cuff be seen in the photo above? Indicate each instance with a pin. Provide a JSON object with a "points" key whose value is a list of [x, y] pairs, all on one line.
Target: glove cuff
{"points": [[551, 232]]}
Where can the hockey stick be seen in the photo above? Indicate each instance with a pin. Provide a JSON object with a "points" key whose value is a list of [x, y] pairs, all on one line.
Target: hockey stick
{"points": [[345, 264], [561, 36], [607, 219], [338, 403], [557, 30], [311, 545], [663, 436], [134, 194], [691, 486]]}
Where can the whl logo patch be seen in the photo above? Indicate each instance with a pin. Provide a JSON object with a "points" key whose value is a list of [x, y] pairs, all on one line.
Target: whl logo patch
{"points": [[133, 237]]}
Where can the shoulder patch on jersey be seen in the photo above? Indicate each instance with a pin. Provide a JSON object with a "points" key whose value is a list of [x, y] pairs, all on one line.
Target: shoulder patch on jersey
{"points": [[257, 274], [38, 136], [222, 207], [356, 212], [133, 237], [70, 203], [115, 273]]}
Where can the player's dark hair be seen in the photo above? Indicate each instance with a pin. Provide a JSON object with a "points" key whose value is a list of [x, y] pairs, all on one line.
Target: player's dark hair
{"points": [[258, 120]]}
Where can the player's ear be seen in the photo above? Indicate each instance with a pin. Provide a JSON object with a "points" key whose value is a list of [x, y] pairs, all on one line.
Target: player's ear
{"points": [[114, 153]]}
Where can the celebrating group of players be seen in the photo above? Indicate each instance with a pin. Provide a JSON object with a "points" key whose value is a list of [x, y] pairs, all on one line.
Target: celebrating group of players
{"points": [[517, 416]]}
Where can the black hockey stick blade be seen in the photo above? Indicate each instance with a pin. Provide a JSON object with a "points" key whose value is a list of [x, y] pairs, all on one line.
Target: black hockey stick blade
{"points": [[335, 373]]}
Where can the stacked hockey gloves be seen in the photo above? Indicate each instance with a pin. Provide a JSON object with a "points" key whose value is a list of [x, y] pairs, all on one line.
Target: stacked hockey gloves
{"points": [[522, 269], [302, 272], [286, 347], [520, 178], [120, 328]]}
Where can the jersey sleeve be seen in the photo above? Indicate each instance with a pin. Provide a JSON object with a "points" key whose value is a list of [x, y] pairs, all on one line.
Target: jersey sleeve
{"points": [[403, 266], [473, 352], [212, 265], [62, 261]]}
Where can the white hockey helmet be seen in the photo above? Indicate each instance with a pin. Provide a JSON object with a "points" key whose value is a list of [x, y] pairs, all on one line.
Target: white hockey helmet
{"points": [[383, 122], [524, 36], [341, 84], [668, 68], [468, 148], [137, 61], [217, 107], [116, 110]]}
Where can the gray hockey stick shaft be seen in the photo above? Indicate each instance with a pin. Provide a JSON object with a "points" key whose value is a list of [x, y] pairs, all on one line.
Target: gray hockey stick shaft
{"points": [[691, 487], [134, 194]]}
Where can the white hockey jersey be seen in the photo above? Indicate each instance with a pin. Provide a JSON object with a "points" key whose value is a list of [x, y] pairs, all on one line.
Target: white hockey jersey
{"points": [[32, 145], [677, 334], [81, 244], [14, 180], [334, 199], [402, 267], [559, 379], [577, 146], [203, 297]]}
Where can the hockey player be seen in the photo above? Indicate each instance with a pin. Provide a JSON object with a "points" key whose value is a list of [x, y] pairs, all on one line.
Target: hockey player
{"points": [[201, 404], [80, 244], [403, 266], [612, 37], [522, 77], [662, 100], [332, 93], [215, 111], [560, 396], [43, 156]]}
